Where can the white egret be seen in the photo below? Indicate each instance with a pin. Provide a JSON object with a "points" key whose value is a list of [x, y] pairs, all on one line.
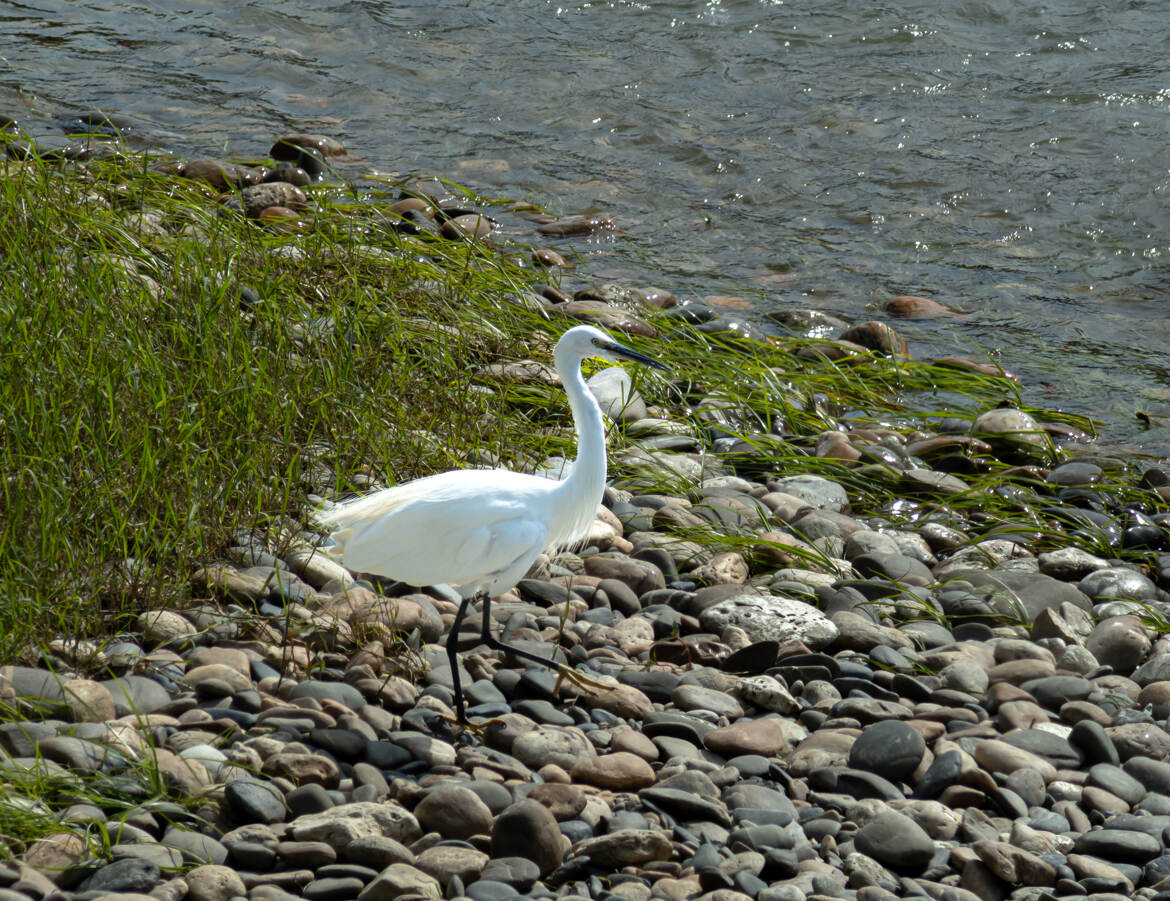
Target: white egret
{"points": [[479, 530]]}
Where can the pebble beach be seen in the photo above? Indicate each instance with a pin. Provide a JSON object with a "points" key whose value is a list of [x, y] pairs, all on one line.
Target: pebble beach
{"points": [[808, 695]]}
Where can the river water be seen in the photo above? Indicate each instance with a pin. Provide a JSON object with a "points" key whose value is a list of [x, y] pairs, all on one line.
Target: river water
{"points": [[1011, 160]]}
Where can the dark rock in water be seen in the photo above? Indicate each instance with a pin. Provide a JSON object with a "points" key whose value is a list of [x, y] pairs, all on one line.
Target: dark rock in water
{"points": [[287, 172], [97, 123], [691, 313], [892, 749], [879, 336], [222, 175], [286, 146], [308, 158]]}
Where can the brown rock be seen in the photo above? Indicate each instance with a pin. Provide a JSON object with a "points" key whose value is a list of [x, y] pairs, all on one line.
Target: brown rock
{"points": [[469, 225], [1050, 624], [401, 880], [283, 218], [625, 701], [635, 742], [453, 811], [726, 568], [221, 175], [620, 771], [1104, 802], [1140, 740], [306, 855], [56, 852], [859, 633], [214, 883], [547, 257], [639, 575], [88, 701], [1020, 715], [301, 769], [878, 336], [1085, 866], [444, 861], [624, 848], [326, 145], [528, 829], [1120, 642], [579, 225], [607, 317], [1074, 711], [1014, 865], [221, 671], [825, 747], [227, 583], [998, 756], [188, 776], [756, 736], [907, 305], [274, 193], [563, 801], [233, 657], [1020, 671]]}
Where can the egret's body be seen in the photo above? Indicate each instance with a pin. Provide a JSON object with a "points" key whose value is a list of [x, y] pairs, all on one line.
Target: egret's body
{"points": [[481, 530]]}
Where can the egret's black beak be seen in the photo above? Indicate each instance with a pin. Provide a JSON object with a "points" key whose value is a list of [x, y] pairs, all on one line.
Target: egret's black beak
{"points": [[633, 356]]}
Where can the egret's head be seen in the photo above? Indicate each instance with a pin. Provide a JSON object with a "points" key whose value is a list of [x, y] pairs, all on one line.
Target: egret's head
{"points": [[585, 341]]}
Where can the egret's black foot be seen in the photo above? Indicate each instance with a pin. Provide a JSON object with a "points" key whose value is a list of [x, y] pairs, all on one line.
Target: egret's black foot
{"points": [[564, 671]]}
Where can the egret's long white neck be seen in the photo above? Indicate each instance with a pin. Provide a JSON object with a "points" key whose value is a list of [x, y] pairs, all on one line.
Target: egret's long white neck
{"points": [[578, 496]]}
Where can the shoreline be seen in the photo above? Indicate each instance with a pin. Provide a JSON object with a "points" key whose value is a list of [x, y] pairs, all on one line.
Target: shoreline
{"points": [[852, 656]]}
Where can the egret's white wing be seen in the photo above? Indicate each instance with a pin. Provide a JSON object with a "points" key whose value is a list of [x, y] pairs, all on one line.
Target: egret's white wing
{"points": [[461, 528]]}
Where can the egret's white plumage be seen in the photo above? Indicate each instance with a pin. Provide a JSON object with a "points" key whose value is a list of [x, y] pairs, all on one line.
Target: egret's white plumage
{"points": [[479, 530]]}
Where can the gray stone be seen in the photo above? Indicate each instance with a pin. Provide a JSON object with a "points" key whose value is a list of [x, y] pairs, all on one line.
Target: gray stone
{"points": [[891, 749], [894, 839], [130, 874], [333, 691], [528, 829], [136, 694], [254, 801]]}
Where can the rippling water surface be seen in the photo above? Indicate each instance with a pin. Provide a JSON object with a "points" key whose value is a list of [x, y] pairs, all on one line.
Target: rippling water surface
{"points": [[1011, 160]]}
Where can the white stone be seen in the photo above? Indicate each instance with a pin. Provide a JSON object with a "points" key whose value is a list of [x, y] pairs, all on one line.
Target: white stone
{"points": [[767, 693], [338, 826], [766, 617]]}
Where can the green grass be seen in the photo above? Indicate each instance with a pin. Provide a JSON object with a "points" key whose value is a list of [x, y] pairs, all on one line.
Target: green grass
{"points": [[143, 422]]}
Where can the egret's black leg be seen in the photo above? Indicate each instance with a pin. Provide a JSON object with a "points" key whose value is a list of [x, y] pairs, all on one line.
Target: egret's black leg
{"points": [[453, 656], [494, 643]]}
